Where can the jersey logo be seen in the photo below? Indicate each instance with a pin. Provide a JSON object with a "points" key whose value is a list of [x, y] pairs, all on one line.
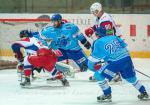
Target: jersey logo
{"points": [[63, 41], [107, 24]]}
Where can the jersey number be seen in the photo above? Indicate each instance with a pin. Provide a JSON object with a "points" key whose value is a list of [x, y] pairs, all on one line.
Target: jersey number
{"points": [[112, 47]]}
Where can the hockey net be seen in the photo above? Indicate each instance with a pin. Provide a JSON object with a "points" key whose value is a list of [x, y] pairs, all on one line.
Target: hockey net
{"points": [[9, 32]]}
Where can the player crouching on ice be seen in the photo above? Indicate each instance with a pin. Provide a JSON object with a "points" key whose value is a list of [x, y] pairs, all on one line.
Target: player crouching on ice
{"points": [[112, 51], [36, 55]]}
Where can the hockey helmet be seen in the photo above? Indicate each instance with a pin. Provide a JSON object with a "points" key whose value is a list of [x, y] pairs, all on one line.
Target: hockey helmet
{"points": [[100, 31], [24, 33], [96, 8]]}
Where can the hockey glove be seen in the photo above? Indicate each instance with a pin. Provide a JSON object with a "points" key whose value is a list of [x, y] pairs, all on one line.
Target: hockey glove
{"points": [[89, 32]]}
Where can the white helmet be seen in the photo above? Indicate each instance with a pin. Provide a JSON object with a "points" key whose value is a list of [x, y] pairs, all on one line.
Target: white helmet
{"points": [[96, 7]]}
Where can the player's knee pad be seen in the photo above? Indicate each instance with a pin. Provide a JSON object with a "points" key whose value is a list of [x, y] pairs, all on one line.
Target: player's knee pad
{"points": [[26, 62], [98, 76], [131, 80]]}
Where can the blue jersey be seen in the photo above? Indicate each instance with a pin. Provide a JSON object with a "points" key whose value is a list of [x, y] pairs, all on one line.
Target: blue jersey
{"points": [[108, 48], [66, 37]]}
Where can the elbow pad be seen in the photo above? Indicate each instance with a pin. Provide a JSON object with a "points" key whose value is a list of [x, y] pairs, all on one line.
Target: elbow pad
{"points": [[86, 44]]}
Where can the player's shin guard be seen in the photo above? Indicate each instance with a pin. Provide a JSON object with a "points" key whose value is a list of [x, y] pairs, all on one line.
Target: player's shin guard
{"points": [[143, 94], [139, 86], [104, 86], [27, 73], [136, 84], [106, 90], [58, 75]]}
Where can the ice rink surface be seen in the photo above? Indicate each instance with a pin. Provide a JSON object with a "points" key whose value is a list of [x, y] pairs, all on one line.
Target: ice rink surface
{"points": [[81, 91]]}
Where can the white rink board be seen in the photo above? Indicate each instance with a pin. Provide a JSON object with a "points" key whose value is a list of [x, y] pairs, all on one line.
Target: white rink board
{"points": [[83, 21], [79, 93], [141, 42]]}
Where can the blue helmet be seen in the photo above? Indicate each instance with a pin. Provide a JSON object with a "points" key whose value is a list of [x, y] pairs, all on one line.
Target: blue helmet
{"points": [[24, 33], [100, 31], [56, 17]]}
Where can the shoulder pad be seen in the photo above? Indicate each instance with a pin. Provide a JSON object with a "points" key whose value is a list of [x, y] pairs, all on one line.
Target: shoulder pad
{"points": [[70, 26], [105, 17], [48, 32], [49, 28]]}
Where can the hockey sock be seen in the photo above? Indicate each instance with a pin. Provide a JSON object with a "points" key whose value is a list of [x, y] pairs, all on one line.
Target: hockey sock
{"points": [[56, 74], [139, 86], [105, 87], [27, 72], [102, 83], [136, 84]]}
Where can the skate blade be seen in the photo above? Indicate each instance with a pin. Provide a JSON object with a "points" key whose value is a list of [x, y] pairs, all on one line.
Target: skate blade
{"points": [[145, 99], [26, 86], [51, 81], [104, 101], [67, 85], [92, 81]]}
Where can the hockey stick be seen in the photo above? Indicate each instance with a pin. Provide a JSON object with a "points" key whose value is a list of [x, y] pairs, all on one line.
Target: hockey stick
{"points": [[142, 73]]}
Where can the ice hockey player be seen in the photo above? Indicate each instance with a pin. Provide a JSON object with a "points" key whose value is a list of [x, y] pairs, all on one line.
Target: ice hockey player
{"points": [[36, 55], [67, 70], [66, 38], [105, 20], [102, 19], [112, 51]]}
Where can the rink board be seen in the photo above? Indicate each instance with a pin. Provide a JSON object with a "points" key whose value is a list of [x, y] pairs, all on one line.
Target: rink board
{"points": [[135, 30]]}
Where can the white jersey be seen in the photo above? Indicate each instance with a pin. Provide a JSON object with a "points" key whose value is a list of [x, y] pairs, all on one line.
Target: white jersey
{"points": [[108, 22], [30, 45]]}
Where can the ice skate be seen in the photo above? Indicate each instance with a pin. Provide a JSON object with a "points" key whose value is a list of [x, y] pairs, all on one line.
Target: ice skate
{"points": [[92, 79], [65, 82], [104, 98], [143, 96], [26, 82], [51, 79]]}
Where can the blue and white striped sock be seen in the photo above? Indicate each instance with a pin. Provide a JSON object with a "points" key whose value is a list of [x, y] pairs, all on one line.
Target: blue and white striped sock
{"points": [[139, 86], [105, 87]]}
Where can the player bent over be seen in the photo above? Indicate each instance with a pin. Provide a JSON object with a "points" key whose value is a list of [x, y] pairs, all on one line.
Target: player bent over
{"points": [[36, 56], [112, 51]]}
